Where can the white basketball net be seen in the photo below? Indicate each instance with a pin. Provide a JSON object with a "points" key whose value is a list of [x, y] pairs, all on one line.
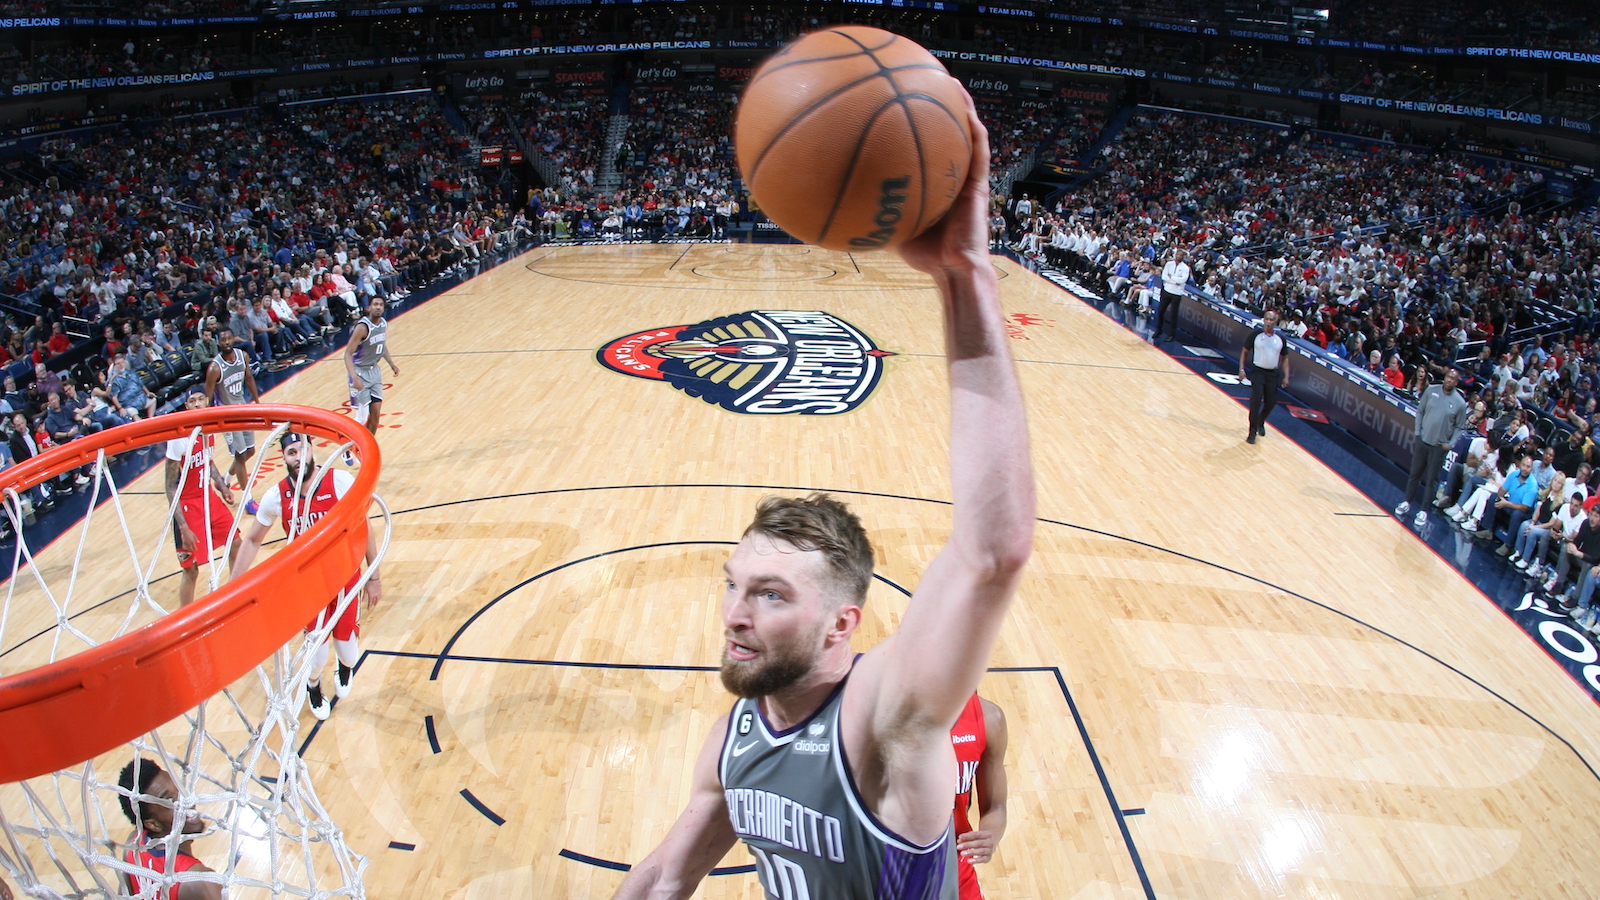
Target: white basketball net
{"points": [[234, 760]]}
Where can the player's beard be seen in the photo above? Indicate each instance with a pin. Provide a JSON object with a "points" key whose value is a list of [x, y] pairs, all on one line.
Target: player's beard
{"points": [[774, 670], [302, 475]]}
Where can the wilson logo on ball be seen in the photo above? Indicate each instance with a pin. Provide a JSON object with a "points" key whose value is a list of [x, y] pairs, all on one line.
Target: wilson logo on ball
{"points": [[762, 362], [889, 214]]}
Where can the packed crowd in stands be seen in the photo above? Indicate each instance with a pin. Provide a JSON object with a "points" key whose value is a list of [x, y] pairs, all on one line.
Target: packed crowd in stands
{"points": [[1026, 129], [1279, 67], [679, 143], [1392, 258], [1290, 70], [1415, 254], [650, 214], [672, 25], [487, 123], [566, 125], [780, 24], [675, 167], [34, 59], [1541, 23], [1075, 137], [142, 249], [1407, 264]]}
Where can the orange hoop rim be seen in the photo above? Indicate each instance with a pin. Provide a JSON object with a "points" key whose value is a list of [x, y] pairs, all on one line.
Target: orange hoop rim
{"points": [[66, 712]]}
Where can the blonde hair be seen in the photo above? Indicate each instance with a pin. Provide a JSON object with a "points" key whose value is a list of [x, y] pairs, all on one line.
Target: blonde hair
{"points": [[819, 522]]}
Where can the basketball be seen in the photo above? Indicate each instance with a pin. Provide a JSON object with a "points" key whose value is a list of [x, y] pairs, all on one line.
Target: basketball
{"points": [[853, 138]]}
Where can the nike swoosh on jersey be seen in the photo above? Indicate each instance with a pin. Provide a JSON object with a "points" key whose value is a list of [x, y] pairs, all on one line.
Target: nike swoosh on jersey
{"points": [[740, 751]]}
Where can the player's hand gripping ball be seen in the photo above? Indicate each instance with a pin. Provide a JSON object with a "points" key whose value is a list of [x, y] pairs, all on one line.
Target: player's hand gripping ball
{"points": [[853, 138]]}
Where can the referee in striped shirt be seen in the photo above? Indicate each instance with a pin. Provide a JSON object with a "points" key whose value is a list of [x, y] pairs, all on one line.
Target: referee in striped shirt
{"points": [[1268, 368]]}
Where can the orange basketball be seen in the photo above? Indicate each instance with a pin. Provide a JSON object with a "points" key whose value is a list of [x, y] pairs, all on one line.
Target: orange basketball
{"points": [[853, 138]]}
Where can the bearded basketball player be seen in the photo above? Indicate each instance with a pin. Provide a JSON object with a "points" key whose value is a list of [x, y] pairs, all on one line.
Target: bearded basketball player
{"points": [[979, 738], [300, 500], [835, 768]]}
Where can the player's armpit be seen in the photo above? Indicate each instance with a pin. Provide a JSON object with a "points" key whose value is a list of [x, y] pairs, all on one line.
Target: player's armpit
{"points": [[697, 841]]}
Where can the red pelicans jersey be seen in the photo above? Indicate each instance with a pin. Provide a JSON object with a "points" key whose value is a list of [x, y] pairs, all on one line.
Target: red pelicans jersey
{"points": [[969, 740], [305, 510], [152, 855], [195, 455], [209, 519]]}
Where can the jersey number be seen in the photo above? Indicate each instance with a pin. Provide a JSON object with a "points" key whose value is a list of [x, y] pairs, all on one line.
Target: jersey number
{"points": [[784, 879]]}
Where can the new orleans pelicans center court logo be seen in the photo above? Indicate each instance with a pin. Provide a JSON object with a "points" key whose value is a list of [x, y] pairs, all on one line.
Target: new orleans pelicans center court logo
{"points": [[762, 362]]}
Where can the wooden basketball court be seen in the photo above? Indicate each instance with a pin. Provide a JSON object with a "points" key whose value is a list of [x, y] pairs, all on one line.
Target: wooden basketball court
{"points": [[1228, 674]]}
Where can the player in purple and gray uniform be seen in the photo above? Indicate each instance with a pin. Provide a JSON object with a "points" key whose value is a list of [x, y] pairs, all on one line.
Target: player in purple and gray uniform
{"points": [[836, 768]]}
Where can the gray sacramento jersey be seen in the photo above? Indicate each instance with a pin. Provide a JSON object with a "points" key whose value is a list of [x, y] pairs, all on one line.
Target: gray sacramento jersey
{"points": [[371, 349], [792, 800], [230, 380]]}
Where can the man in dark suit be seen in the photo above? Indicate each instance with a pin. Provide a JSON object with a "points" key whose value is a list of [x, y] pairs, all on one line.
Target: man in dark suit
{"points": [[22, 446]]}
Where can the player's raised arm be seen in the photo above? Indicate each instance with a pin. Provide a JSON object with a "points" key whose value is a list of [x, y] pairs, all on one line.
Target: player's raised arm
{"points": [[700, 837], [933, 663]]}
